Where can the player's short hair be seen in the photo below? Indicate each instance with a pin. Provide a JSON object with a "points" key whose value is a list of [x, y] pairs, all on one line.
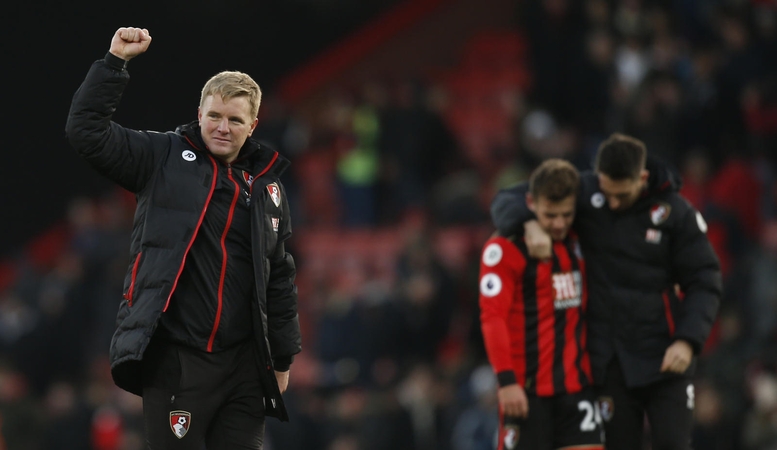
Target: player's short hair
{"points": [[621, 157], [555, 179], [230, 84]]}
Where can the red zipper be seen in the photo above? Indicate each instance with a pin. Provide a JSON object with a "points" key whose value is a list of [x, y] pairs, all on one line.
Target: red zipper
{"points": [[224, 259], [131, 289], [196, 229]]}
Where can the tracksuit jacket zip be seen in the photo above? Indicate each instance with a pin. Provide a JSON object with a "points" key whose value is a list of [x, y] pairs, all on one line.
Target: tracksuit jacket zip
{"points": [[196, 229], [220, 295]]}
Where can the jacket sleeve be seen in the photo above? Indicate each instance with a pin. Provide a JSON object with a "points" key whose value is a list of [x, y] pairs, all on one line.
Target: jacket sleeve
{"points": [[696, 269], [127, 157], [283, 328], [500, 276], [509, 210]]}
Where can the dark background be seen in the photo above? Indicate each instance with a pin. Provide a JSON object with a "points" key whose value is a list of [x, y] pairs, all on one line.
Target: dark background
{"points": [[47, 48]]}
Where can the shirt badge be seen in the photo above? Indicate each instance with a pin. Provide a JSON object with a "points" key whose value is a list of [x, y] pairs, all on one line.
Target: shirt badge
{"points": [[188, 155], [275, 193], [597, 200], [659, 213], [492, 254], [249, 179]]}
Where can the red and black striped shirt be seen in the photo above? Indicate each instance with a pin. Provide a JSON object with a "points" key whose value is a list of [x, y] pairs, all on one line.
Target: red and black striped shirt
{"points": [[532, 316]]}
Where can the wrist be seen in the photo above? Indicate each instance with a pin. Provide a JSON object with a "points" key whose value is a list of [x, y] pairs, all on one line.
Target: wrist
{"points": [[506, 378], [115, 62]]}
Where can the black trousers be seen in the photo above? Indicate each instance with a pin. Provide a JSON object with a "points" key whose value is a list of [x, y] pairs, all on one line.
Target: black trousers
{"points": [[194, 400], [667, 404]]}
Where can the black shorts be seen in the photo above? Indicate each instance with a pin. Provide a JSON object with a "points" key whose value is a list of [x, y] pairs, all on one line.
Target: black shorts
{"points": [[569, 420], [194, 400], [667, 405]]}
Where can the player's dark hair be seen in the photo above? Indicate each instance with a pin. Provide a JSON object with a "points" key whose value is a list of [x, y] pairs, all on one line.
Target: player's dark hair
{"points": [[555, 179], [621, 157]]}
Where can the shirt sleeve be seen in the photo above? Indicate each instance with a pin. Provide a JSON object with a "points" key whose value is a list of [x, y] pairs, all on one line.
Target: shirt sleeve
{"points": [[127, 157], [283, 328], [696, 269], [501, 270], [509, 210]]}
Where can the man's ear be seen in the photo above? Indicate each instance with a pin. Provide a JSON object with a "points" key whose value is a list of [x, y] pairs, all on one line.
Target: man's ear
{"points": [[530, 202]]}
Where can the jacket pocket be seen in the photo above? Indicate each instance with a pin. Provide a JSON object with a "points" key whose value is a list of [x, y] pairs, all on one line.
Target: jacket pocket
{"points": [[131, 288]]}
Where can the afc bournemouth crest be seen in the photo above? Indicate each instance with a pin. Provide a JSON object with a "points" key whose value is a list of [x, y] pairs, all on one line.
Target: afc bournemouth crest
{"points": [[606, 408], [275, 193], [249, 179], [659, 213], [179, 423], [512, 435]]}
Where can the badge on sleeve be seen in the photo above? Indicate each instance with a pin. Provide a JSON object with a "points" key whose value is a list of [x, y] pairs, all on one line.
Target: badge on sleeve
{"points": [[275, 193], [492, 254], [490, 285], [597, 200], [659, 213]]}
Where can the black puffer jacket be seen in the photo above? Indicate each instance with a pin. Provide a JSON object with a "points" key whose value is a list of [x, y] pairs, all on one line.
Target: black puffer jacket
{"points": [[634, 259], [173, 178]]}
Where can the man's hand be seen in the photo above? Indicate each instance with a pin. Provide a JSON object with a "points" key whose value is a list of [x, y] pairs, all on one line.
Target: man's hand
{"points": [[538, 241], [513, 401], [128, 43], [283, 380], [677, 357]]}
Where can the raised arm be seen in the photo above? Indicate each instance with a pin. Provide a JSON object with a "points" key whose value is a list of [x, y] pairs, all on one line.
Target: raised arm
{"points": [[126, 156]]}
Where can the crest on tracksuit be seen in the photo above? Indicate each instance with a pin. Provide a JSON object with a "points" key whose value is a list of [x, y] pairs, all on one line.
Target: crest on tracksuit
{"points": [[179, 423], [275, 193], [249, 179]]}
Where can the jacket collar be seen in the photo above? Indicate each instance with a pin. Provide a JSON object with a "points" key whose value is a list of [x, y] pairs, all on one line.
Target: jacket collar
{"points": [[253, 156]]}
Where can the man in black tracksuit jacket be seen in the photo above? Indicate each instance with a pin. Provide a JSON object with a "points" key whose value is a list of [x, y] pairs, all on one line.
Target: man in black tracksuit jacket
{"points": [[208, 326], [654, 289]]}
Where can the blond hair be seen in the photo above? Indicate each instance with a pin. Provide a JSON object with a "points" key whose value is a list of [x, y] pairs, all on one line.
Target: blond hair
{"points": [[231, 84]]}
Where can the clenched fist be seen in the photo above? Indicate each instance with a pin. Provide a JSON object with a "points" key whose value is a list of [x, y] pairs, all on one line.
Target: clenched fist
{"points": [[128, 43]]}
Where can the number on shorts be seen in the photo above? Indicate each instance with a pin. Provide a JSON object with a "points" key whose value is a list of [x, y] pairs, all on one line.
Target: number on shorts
{"points": [[592, 417]]}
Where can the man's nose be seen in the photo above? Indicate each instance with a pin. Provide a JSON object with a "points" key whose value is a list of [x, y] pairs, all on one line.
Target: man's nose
{"points": [[614, 203], [224, 126]]}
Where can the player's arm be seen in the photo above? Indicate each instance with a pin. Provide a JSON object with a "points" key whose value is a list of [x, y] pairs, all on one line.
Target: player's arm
{"points": [[509, 211], [501, 268], [696, 268], [126, 156]]}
